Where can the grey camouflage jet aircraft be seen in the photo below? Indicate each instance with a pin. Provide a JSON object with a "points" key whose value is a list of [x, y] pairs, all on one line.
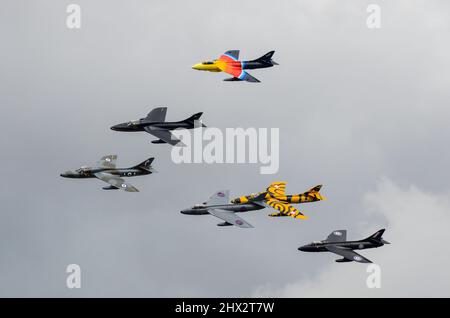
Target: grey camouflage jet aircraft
{"points": [[106, 171], [156, 125], [219, 206], [337, 243]]}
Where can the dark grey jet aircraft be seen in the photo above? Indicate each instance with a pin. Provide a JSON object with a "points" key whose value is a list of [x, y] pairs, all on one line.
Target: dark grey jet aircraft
{"points": [[337, 243], [156, 125], [106, 171], [219, 206]]}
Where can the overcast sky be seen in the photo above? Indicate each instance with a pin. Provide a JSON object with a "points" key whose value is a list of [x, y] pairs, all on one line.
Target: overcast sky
{"points": [[363, 111]]}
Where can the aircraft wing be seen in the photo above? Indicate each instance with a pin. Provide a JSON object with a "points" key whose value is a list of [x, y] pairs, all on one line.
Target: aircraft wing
{"points": [[347, 254], [239, 75], [285, 209], [277, 188], [157, 114], [337, 236], [232, 55], [115, 181], [220, 197], [107, 162], [164, 135], [230, 217]]}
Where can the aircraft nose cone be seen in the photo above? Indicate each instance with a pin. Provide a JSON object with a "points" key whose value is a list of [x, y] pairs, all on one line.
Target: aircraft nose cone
{"points": [[303, 248], [196, 66]]}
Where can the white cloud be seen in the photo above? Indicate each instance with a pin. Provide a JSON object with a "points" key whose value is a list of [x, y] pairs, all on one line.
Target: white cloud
{"points": [[414, 265]]}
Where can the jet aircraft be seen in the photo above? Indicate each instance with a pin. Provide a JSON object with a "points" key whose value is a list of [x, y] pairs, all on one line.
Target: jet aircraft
{"points": [[229, 63], [219, 206], [155, 124], [106, 171], [275, 197], [337, 243]]}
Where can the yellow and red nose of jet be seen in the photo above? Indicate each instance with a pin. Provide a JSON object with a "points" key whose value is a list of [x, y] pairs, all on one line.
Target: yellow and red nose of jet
{"points": [[198, 66]]}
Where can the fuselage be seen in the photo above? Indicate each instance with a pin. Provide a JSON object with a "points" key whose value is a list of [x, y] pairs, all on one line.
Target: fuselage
{"points": [[296, 198], [89, 172], [320, 246], [218, 66], [202, 209], [139, 125]]}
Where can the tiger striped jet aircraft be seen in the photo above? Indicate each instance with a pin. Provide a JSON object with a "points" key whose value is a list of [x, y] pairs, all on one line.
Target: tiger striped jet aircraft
{"points": [[155, 124], [229, 63], [106, 171], [337, 243], [275, 197]]}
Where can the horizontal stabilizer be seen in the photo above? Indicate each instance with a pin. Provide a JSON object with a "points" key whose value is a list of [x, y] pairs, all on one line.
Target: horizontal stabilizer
{"points": [[377, 237], [314, 193], [267, 58], [146, 165]]}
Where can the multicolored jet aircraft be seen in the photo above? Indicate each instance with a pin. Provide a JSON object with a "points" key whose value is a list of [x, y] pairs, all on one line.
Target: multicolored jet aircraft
{"points": [[106, 171], [229, 63], [275, 197]]}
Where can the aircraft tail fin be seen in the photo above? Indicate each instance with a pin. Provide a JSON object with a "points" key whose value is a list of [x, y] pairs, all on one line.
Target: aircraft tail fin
{"points": [[378, 237], [194, 120], [267, 58], [314, 193], [146, 165]]}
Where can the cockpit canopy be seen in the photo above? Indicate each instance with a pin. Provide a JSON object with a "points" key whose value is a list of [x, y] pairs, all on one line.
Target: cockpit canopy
{"points": [[83, 169], [207, 63], [198, 206], [133, 123]]}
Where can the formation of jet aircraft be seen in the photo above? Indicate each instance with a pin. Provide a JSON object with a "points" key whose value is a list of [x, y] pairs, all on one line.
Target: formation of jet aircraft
{"points": [[155, 124], [220, 205], [337, 243], [230, 64], [274, 197], [106, 171]]}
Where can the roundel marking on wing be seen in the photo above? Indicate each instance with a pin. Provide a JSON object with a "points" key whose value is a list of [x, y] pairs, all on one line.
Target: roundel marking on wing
{"points": [[239, 222], [357, 258]]}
